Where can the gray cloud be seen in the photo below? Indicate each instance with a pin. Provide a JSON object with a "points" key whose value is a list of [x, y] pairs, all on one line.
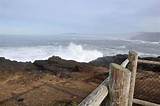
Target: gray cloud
{"points": [[81, 16]]}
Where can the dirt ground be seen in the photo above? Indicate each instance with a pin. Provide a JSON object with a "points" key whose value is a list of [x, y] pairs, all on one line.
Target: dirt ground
{"points": [[22, 88], [45, 89]]}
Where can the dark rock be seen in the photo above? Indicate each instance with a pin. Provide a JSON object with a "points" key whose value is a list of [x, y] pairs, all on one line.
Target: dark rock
{"points": [[61, 67], [8, 66], [105, 61]]}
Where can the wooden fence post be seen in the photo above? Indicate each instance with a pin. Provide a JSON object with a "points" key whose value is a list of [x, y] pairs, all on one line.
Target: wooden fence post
{"points": [[119, 84], [132, 66]]}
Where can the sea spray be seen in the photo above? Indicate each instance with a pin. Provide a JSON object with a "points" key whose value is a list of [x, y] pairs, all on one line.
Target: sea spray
{"points": [[70, 52], [78, 53]]}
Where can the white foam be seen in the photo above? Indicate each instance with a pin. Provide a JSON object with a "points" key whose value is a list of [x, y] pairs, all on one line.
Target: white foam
{"points": [[70, 52], [115, 51], [142, 42]]}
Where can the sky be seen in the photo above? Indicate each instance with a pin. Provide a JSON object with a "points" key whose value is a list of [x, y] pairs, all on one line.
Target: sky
{"points": [[35, 17]]}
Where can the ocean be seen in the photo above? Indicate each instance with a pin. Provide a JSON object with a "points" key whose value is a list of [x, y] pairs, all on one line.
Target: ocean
{"points": [[81, 50]]}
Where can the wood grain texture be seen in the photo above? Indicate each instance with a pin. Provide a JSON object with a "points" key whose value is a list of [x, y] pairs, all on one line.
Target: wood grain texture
{"points": [[133, 58], [149, 62], [144, 103], [119, 84], [125, 63], [97, 96]]}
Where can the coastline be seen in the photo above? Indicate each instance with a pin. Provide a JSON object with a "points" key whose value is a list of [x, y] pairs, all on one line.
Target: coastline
{"points": [[56, 80]]}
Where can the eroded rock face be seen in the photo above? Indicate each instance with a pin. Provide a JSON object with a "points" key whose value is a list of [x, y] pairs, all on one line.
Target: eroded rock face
{"points": [[56, 64], [105, 61], [7, 65], [63, 67]]}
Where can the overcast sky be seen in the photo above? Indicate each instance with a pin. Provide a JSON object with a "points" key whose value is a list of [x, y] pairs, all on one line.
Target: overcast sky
{"points": [[78, 16]]}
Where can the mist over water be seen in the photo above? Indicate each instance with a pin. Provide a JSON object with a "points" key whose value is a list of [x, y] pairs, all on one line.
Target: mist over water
{"points": [[82, 49], [69, 52]]}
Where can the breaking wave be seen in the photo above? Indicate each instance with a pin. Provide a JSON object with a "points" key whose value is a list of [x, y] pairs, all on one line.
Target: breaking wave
{"points": [[69, 52]]}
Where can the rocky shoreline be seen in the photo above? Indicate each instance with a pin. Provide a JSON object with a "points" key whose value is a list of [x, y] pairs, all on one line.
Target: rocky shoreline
{"points": [[105, 61], [56, 80], [56, 64]]}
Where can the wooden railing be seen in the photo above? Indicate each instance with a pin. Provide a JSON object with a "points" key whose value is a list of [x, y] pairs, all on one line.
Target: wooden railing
{"points": [[118, 88]]}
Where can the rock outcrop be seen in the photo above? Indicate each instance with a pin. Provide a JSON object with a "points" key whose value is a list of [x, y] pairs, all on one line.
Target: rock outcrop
{"points": [[105, 61]]}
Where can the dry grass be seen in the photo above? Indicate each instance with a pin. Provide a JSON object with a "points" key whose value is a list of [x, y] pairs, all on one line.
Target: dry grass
{"points": [[23, 88]]}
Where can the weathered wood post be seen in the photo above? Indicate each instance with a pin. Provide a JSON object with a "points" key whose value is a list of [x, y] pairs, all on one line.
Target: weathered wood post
{"points": [[119, 84], [132, 66]]}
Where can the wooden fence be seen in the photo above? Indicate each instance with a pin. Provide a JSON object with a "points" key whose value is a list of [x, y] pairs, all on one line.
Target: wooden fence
{"points": [[118, 88]]}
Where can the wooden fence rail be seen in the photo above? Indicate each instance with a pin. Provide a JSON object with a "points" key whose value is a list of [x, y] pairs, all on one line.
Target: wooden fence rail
{"points": [[148, 62], [119, 86], [97, 96], [144, 103], [125, 63]]}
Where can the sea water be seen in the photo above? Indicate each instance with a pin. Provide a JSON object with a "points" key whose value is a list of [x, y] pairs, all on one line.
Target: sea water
{"points": [[82, 50]]}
